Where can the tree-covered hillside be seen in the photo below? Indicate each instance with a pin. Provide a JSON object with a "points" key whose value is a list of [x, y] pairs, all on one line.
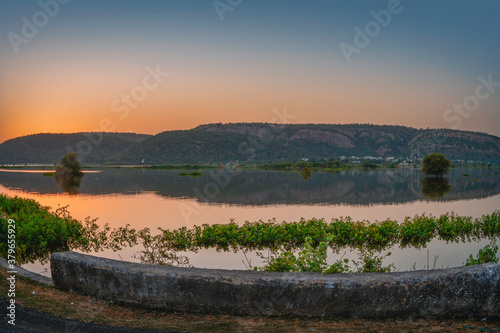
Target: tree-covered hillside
{"points": [[261, 142], [50, 148], [254, 143]]}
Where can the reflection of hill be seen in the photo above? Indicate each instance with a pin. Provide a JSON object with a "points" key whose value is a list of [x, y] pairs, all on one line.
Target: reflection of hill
{"points": [[251, 187]]}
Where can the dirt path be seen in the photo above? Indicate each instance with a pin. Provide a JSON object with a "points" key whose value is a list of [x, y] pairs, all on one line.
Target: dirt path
{"points": [[31, 321]]}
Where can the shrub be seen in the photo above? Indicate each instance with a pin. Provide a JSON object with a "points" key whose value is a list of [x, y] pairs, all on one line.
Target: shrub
{"points": [[486, 254]]}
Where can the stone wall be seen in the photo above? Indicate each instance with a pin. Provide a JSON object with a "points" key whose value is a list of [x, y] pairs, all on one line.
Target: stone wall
{"points": [[445, 293]]}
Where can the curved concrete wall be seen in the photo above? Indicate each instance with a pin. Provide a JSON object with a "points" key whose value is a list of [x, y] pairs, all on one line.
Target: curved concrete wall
{"points": [[446, 293]]}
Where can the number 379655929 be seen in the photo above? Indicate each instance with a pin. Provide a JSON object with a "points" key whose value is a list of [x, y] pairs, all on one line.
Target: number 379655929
{"points": [[11, 241]]}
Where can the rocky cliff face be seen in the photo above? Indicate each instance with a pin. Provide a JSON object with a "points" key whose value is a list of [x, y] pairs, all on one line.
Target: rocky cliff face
{"points": [[375, 140]]}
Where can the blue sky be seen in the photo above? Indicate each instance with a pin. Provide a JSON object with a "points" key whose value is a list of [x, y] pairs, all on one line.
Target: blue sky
{"points": [[264, 55]]}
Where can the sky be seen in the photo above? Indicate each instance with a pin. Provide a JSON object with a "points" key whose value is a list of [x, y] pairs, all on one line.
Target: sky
{"points": [[149, 66]]}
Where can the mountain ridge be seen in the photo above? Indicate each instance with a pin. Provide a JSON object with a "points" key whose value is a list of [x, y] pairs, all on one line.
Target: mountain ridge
{"points": [[253, 142], [49, 148], [266, 142]]}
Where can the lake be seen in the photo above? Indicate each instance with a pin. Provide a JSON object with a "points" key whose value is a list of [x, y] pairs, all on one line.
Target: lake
{"points": [[162, 198]]}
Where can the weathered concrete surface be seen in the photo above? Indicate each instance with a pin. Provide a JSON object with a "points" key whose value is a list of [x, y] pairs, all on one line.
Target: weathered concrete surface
{"points": [[446, 293], [28, 274]]}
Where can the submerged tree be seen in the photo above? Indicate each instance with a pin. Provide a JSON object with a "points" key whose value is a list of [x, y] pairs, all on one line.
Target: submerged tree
{"points": [[69, 174], [436, 165]]}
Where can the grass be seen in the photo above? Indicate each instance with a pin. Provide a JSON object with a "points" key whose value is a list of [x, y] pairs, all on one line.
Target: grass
{"points": [[192, 174], [87, 309]]}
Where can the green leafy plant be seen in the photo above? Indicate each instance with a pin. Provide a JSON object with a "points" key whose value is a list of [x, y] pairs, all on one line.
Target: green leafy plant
{"points": [[414, 231], [486, 254], [40, 231], [293, 246], [340, 266], [310, 259], [371, 263]]}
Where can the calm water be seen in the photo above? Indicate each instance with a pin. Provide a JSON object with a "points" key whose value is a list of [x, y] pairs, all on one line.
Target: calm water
{"points": [[159, 198]]}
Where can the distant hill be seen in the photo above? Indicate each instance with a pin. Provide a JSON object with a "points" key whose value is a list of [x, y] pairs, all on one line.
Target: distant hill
{"points": [[50, 148], [262, 142], [253, 143]]}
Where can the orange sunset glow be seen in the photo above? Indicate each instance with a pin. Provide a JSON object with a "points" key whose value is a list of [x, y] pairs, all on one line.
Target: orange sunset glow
{"points": [[67, 78]]}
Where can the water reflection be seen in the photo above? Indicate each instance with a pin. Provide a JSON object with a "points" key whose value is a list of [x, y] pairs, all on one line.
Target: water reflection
{"points": [[306, 173], [71, 184], [252, 187], [435, 187]]}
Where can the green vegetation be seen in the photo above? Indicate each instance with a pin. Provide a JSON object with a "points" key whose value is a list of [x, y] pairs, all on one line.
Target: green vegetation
{"points": [[339, 233], [310, 259], [371, 262], [50, 148], [40, 232], [369, 165], [192, 174], [486, 254], [68, 173], [177, 167], [294, 246], [49, 174], [252, 143], [329, 166], [436, 165], [313, 259], [312, 237], [326, 166], [69, 167]]}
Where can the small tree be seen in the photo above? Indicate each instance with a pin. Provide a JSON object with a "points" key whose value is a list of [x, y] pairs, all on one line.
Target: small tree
{"points": [[69, 173], [435, 164], [70, 166]]}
